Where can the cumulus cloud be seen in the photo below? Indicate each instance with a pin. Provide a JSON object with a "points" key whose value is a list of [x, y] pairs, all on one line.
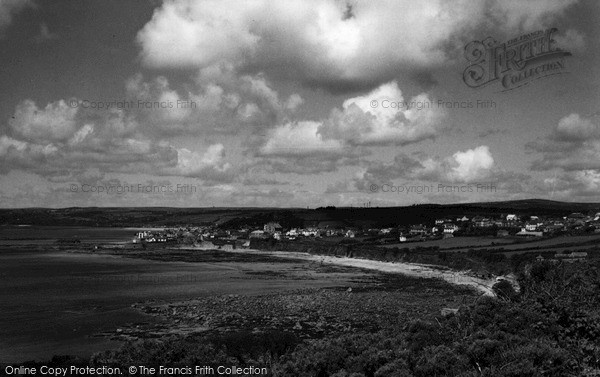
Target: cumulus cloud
{"points": [[217, 101], [471, 165], [299, 139], [328, 43], [210, 165], [383, 117], [316, 146], [55, 122], [573, 145], [59, 138]]}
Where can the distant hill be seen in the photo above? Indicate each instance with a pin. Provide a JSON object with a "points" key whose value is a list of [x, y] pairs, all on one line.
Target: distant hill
{"points": [[237, 217]]}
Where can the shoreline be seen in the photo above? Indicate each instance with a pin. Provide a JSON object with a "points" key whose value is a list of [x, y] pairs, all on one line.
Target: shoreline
{"points": [[483, 286]]}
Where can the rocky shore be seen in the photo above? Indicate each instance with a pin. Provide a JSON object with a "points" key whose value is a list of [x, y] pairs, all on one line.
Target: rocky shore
{"points": [[387, 300]]}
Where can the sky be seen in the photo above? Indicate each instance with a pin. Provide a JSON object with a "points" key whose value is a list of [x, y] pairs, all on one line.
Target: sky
{"points": [[298, 103]]}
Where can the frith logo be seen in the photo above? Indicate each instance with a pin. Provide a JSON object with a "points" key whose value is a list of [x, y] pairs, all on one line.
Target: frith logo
{"points": [[514, 63]]}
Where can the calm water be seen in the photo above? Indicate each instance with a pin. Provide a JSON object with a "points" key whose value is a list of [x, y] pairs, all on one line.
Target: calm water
{"points": [[50, 234], [53, 302]]}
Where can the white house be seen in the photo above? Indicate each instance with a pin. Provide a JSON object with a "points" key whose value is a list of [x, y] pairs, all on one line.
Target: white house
{"points": [[450, 228], [292, 232], [531, 227], [511, 217]]}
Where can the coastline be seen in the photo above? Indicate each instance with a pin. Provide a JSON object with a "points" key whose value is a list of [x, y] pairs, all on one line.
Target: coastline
{"points": [[484, 286]]}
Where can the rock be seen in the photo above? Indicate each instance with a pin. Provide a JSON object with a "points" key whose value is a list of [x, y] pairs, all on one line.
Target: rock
{"points": [[446, 312]]}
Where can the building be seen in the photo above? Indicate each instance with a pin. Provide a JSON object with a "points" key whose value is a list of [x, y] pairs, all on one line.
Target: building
{"points": [[272, 227], [573, 257], [512, 217], [481, 222], [531, 226], [418, 230], [258, 234], [525, 233], [450, 228]]}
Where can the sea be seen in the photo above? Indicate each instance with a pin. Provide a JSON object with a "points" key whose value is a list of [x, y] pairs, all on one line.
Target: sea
{"points": [[55, 302]]}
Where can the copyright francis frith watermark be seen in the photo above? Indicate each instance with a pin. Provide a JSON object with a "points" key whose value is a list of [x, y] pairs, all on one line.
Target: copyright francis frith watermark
{"points": [[440, 188], [514, 63]]}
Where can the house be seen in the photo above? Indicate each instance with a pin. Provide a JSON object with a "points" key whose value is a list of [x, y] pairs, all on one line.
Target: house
{"points": [[258, 234], [531, 226], [539, 258], [292, 233], [402, 238], [450, 228], [350, 234], [272, 227], [526, 233], [441, 221], [277, 235], [576, 218], [500, 223], [418, 230], [310, 232], [481, 222], [464, 218], [511, 217]]}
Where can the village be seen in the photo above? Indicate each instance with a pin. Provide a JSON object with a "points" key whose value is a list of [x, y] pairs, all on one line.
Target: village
{"points": [[504, 226]]}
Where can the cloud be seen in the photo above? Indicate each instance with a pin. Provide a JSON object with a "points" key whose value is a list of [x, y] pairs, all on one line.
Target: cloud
{"points": [[299, 139], [527, 15], [58, 138], [318, 146], [217, 101], [583, 184], [334, 44], [383, 117], [210, 165], [573, 145], [575, 128], [56, 122], [471, 165], [9, 8], [570, 40]]}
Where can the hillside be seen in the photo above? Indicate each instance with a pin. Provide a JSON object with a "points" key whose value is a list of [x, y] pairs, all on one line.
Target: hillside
{"points": [[233, 217]]}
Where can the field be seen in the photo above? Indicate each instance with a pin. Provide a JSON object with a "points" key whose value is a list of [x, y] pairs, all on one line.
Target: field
{"points": [[455, 242]]}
